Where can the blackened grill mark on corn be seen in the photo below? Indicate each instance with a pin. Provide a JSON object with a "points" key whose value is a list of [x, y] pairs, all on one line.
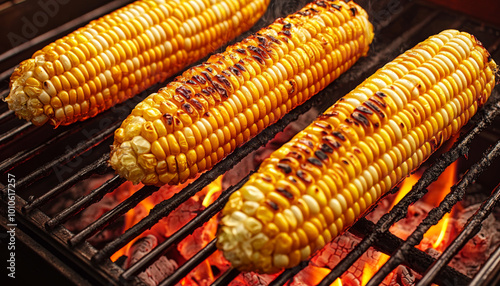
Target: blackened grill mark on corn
{"points": [[119, 55], [369, 162], [240, 93]]}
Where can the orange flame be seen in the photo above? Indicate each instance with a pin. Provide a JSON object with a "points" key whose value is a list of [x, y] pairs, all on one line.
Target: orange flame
{"points": [[370, 270], [314, 275], [212, 189], [437, 192], [406, 187]]}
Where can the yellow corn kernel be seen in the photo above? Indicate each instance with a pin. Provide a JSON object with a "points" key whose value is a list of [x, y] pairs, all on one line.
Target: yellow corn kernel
{"points": [[122, 55], [399, 119]]}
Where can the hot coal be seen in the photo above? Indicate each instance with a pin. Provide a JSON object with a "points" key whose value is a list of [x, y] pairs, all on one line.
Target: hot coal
{"points": [[477, 250], [158, 271]]}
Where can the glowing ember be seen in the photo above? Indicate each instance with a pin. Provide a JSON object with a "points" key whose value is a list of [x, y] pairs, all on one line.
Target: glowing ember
{"points": [[370, 270]]}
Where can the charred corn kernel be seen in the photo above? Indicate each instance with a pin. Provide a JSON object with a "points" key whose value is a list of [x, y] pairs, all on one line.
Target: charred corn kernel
{"points": [[214, 107], [124, 53], [361, 147]]}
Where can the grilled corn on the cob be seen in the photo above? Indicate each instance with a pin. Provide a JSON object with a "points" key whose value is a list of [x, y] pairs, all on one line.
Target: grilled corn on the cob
{"points": [[119, 55], [317, 184], [212, 108]]}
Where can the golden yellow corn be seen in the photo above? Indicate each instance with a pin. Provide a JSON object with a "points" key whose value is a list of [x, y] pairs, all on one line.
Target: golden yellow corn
{"points": [[316, 185], [197, 120], [121, 54]]}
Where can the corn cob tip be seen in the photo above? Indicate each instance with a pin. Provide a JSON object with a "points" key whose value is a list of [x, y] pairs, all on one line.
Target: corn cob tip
{"points": [[124, 158], [27, 93]]}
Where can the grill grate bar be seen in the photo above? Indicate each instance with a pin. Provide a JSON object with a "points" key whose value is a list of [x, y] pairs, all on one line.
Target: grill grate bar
{"points": [[288, 274], [112, 215], [226, 277], [483, 119], [489, 269], [83, 202], [4, 76], [80, 148], [456, 194], [470, 229], [98, 166], [187, 229], [7, 115], [24, 155], [6, 137], [189, 265]]}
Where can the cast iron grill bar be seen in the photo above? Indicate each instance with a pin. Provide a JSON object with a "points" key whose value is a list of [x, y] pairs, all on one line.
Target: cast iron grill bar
{"points": [[164, 208], [99, 166], [85, 201], [111, 215], [189, 265], [489, 269], [4, 76], [288, 274], [7, 137], [3, 94], [46, 169], [63, 29], [483, 119], [456, 194], [182, 233], [226, 277], [24, 155], [470, 229], [7, 115]]}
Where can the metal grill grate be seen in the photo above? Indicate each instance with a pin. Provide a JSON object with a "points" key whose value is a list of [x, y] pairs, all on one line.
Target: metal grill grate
{"points": [[26, 150]]}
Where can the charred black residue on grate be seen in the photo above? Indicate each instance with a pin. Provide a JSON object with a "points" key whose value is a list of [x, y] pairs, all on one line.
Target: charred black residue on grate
{"points": [[395, 33], [472, 226]]}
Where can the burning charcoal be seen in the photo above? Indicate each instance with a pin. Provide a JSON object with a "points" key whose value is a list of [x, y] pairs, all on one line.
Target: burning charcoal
{"points": [[252, 278], [140, 248], [199, 239], [311, 275], [433, 253], [158, 271], [217, 260], [402, 276], [349, 279], [80, 189], [179, 217], [477, 250], [94, 211]]}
